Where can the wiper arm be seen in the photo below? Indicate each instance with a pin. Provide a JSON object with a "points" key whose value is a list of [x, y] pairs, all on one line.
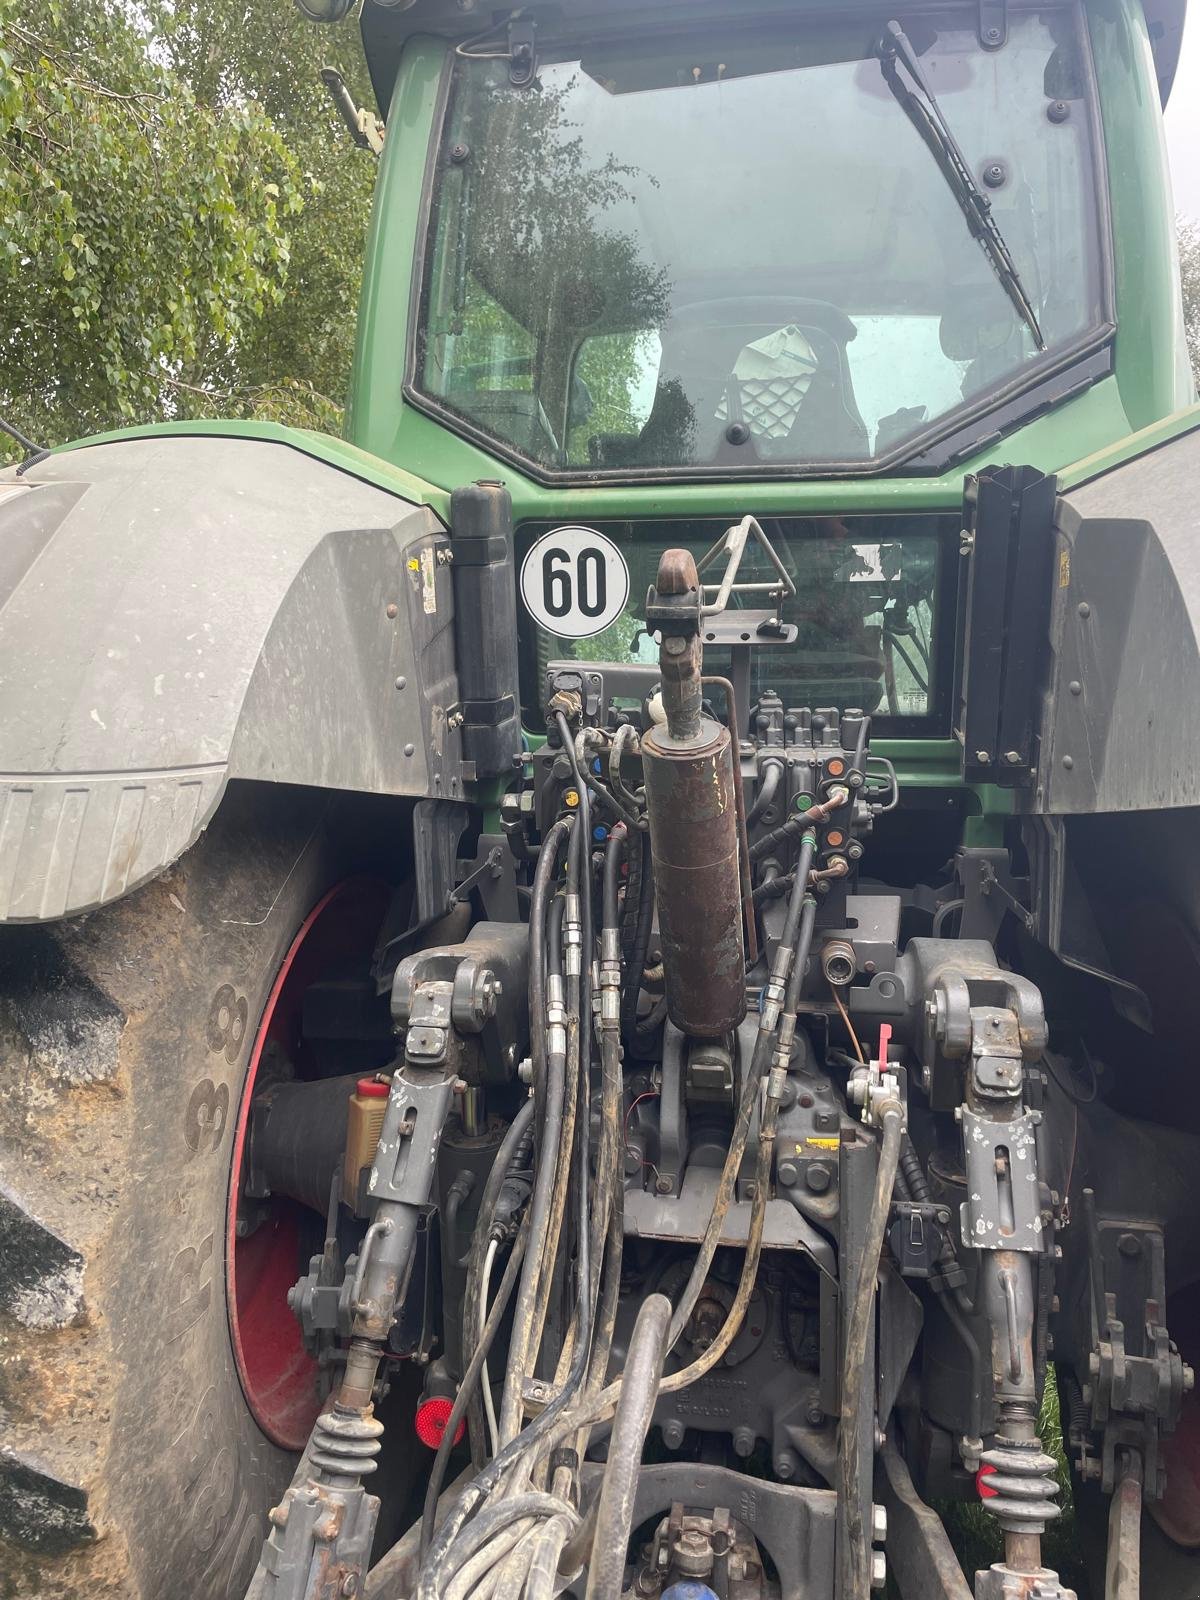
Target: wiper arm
{"points": [[904, 77]]}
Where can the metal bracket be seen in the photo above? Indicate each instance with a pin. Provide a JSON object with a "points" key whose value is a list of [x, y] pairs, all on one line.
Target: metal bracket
{"points": [[732, 545], [1002, 1210], [1008, 515], [1137, 1378], [409, 1141]]}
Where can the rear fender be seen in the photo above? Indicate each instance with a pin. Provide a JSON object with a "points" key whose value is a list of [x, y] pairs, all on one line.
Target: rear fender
{"points": [[176, 611]]}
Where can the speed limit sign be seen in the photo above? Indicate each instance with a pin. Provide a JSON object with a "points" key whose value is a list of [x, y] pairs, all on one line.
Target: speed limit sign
{"points": [[574, 582]]}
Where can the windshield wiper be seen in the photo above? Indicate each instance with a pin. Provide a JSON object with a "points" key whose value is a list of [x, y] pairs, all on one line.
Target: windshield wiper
{"points": [[904, 77]]}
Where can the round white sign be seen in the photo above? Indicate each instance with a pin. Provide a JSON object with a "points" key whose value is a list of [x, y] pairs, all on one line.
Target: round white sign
{"points": [[574, 582]]}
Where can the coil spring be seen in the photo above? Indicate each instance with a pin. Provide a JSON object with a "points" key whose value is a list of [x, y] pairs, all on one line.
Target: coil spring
{"points": [[1017, 1484], [345, 1444]]}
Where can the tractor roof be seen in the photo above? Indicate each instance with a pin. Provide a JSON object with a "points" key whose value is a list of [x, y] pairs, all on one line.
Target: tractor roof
{"points": [[386, 28]]}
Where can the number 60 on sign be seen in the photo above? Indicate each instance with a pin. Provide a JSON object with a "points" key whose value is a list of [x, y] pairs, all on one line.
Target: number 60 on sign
{"points": [[574, 582]]}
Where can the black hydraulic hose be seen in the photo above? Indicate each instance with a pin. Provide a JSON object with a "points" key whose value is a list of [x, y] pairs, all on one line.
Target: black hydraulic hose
{"points": [[495, 1519], [515, 1136], [636, 962], [804, 939], [770, 777], [858, 763], [550, 1124], [587, 780], [751, 1084], [542, 875], [554, 934], [791, 924], [774, 886], [477, 1493], [614, 853], [854, 1363], [466, 1388], [635, 1412], [796, 824]]}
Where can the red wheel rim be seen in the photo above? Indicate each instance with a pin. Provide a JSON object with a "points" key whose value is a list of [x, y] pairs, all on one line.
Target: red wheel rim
{"points": [[279, 1379]]}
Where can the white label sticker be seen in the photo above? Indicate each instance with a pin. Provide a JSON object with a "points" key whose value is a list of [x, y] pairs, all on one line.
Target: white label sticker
{"points": [[574, 582]]}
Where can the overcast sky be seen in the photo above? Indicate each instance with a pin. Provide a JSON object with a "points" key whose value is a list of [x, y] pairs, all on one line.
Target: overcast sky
{"points": [[1183, 120]]}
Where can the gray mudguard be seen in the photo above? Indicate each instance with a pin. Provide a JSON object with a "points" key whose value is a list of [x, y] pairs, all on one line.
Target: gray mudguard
{"points": [[1121, 727], [176, 611]]}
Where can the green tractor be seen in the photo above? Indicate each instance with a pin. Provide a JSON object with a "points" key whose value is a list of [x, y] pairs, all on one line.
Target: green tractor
{"points": [[599, 982]]}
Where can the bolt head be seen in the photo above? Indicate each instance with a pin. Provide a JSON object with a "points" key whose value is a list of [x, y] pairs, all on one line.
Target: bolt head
{"points": [[878, 1570], [662, 1185]]}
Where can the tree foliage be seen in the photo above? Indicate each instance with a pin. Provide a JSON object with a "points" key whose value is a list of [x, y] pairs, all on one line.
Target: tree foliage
{"points": [[1189, 272], [181, 213]]}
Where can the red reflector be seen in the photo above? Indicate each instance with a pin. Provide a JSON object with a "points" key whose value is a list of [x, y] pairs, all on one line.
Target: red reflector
{"points": [[373, 1089], [986, 1492], [431, 1419]]}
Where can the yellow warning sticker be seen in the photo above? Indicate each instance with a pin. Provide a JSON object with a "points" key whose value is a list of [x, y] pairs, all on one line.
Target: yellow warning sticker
{"points": [[821, 1144], [1064, 569]]}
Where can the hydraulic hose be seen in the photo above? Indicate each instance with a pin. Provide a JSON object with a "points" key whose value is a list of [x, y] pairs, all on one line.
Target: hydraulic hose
{"points": [[759, 1061], [443, 1548], [635, 961], [859, 762], [579, 760], [542, 1584], [769, 780], [543, 874], [473, 1312], [626, 735], [614, 853], [858, 1566], [820, 812], [707, 1359], [635, 1412], [576, 1119], [546, 1170], [762, 1180], [494, 1519], [466, 1388]]}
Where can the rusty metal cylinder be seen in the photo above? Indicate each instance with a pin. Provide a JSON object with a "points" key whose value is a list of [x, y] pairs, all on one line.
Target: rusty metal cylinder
{"points": [[694, 841]]}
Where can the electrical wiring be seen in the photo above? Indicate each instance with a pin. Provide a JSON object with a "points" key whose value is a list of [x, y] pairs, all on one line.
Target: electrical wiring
{"points": [[489, 1404], [841, 1005]]}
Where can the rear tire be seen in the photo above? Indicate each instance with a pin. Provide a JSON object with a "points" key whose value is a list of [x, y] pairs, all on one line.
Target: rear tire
{"points": [[130, 1462]]}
